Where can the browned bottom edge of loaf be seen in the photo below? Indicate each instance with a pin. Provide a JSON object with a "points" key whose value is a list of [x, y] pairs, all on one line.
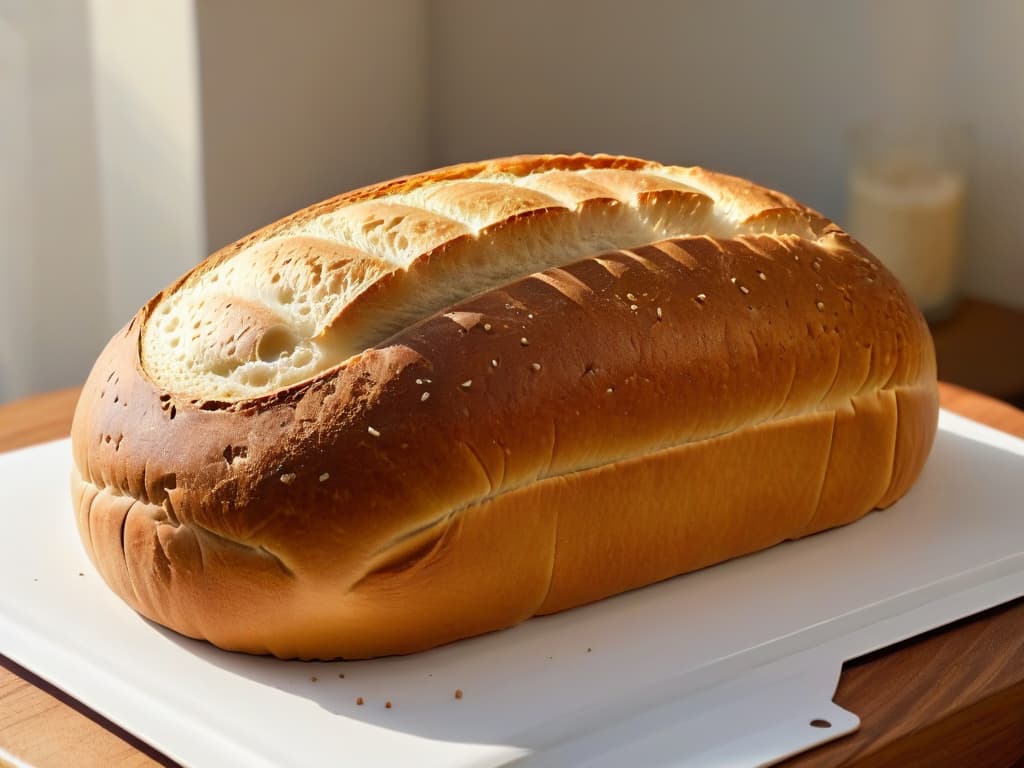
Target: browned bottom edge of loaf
{"points": [[562, 542]]}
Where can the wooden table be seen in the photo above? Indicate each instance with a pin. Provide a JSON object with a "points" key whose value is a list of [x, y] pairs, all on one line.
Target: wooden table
{"points": [[954, 697], [974, 349]]}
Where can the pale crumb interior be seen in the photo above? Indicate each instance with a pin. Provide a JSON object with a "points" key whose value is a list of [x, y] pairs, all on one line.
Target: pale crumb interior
{"points": [[275, 313]]}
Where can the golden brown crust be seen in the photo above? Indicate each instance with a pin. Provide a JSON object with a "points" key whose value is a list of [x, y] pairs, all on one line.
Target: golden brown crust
{"points": [[654, 410]]}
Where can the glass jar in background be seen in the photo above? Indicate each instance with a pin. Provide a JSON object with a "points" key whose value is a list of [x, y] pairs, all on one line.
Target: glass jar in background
{"points": [[907, 191]]}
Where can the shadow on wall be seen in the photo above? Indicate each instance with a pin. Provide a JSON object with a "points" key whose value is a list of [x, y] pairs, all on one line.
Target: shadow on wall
{"points": [[104, 196], [54, 287], [150, 171], [299, 107], [15, 182]]}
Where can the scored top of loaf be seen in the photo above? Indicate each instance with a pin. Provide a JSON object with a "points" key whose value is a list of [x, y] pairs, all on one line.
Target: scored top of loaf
{"points": [[306, 293]]}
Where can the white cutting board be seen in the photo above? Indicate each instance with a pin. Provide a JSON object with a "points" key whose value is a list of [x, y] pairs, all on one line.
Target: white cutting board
{"points": [[727, 666]]}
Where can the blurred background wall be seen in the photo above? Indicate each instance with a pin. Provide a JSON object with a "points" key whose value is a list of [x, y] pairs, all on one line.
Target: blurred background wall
{"points": [[136, 137], [766, 90], [301, 101]]}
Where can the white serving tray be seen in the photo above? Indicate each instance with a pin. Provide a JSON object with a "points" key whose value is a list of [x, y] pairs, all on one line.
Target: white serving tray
{"points": [[727, 666]]}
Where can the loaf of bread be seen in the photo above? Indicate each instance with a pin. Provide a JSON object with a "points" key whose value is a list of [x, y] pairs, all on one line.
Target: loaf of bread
{"points": [[441, 405]]}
